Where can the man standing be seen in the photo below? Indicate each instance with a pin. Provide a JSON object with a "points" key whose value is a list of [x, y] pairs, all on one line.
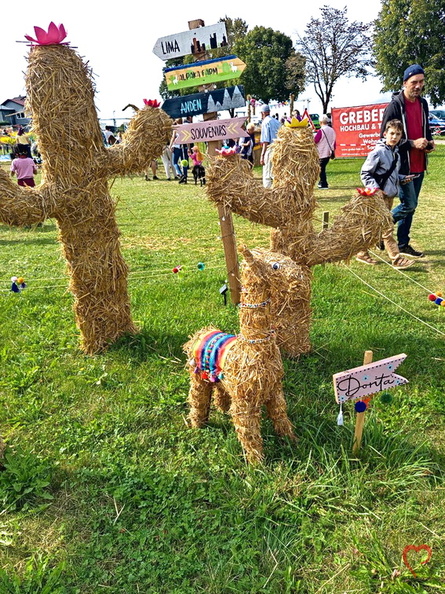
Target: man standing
{"points": [[412, 110], [269, 129]]}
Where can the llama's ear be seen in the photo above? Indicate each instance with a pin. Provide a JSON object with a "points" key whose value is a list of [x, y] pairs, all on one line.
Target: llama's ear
{"points": [[247, 254]]}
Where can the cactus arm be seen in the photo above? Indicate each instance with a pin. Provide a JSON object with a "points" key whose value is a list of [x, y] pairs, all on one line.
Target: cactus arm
{"points": [[230, 183], [20, 206], [136, 152]]}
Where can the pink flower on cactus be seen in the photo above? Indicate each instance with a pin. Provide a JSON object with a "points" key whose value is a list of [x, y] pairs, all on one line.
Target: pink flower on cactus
{"points": [[55, 35], [152, 102]]}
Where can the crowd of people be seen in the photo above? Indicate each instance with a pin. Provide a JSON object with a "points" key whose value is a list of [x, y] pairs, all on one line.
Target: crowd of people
{"points": [[396, 165]]}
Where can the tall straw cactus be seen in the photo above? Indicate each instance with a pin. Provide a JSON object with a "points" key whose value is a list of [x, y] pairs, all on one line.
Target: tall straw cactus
{"points": [[74, 188], [288, 207]]}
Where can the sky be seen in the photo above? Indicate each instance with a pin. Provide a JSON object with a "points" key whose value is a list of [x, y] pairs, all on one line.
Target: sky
{"points": [[117, 42]]}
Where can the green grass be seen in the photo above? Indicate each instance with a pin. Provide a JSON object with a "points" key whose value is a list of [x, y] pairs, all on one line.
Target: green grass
{"points": [[105, 489]]}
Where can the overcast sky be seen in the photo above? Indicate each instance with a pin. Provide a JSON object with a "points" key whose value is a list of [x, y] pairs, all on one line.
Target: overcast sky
{"points": [[117, 40]]}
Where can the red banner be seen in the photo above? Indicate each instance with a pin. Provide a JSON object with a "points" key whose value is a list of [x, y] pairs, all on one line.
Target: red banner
{"points": [[357, 129]]}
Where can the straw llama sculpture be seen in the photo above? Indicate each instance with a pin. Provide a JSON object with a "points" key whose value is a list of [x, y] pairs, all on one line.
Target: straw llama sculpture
{"points": [[244, 372], [74, 189], [289, 208]]}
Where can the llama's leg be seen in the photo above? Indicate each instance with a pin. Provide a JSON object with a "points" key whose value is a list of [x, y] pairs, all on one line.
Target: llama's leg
{"points": [[221, 397], [277, 411], [199, 399], [246, 419]]}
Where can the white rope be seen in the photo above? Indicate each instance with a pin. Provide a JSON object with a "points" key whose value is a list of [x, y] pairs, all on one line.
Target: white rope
{"points": [[393, 302]]}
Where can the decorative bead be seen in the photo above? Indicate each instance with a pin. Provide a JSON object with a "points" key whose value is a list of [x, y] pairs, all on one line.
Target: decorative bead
{"points": [[360, 406], [201, 265], [438, 301], [432, 297], [386, 398]]}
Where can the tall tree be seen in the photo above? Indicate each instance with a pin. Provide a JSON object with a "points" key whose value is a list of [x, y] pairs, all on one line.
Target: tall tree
{"points": [[272, 71], [334, 47], [408, 32]]}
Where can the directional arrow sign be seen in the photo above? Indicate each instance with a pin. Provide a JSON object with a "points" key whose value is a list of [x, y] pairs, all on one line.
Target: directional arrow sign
{"points": [[211, 130], [198, 103], [194, 41], [203, 73], [368, 379]]}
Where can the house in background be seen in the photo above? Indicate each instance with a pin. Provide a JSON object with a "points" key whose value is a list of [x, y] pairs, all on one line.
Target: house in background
{"points": [[12, 112]]}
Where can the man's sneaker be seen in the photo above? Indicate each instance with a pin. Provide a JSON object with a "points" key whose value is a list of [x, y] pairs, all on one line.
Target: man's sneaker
{"points": [[410, 252], [400, 262]]}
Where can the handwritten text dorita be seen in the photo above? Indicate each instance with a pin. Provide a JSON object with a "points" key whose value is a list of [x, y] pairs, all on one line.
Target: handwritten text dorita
{"points": [[349, 386]]}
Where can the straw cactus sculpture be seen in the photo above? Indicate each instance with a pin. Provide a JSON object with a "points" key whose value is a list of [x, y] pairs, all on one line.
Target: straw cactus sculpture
{"points": [[245, 372], [289, 208], [74, 189]]}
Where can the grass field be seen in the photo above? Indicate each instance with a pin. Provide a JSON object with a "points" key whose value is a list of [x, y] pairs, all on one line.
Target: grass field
{"points": [[105, 489]]}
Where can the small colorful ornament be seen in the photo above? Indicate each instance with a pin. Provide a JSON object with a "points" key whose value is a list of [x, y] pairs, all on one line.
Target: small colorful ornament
{"points": [[17, 284], [185, 163], [201, 265], [360, 406], [367, 191], [176, 269], [437, 298], [386, 398], [152, 103]]}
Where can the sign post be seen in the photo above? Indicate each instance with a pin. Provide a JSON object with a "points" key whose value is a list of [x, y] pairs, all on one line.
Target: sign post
{"points": [[366, 380]]}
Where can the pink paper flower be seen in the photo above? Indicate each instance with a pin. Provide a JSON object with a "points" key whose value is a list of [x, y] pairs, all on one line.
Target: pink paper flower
{"points": [[54, 36], [152, 102]]}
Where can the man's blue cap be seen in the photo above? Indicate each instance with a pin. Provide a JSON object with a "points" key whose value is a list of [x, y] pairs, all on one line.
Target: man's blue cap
{"points": [[412, 71], [265, 109]]}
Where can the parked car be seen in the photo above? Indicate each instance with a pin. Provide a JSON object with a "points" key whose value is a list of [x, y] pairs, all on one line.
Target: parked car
{"points": [[437, 126], [438, 113]]}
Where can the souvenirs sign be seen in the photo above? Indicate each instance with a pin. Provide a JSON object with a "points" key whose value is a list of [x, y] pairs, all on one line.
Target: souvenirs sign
{"points": [[199, 103], [210, 130], [203, 73], [194, 41], [368, 379]]}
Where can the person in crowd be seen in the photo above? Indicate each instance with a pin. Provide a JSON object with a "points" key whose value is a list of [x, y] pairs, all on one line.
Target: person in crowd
{"points": [[154, 170], [23, 143], [176, 150], [24, 168], [110, 138], [269, 130], [167, 161], [325, 141], [411, 109], [381, 171], [247, 143]]}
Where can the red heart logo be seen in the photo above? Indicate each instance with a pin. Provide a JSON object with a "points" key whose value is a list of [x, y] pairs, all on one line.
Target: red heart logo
{"points": [[416, 549]]}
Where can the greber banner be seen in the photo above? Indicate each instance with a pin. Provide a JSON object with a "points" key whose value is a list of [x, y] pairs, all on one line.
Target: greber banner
{"points": [[357, 129]]}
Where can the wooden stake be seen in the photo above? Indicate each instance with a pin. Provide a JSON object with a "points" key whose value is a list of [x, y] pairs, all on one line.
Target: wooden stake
{"points": [[325, 219], [360, 418], [225, 215]]}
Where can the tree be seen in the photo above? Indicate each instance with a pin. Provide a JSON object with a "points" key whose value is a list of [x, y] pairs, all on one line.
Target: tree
{"points": [[334, 47], [407, 33], [274, 68]]}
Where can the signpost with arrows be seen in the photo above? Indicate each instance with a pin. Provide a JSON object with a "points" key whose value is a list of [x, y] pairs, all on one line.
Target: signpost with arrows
{"points": [[210, 130], [209, 102], [197, 41]]}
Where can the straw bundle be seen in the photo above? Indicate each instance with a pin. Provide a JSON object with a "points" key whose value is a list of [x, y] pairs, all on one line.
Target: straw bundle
{"points": [[74, 189], [289, 208], [246, 371]]}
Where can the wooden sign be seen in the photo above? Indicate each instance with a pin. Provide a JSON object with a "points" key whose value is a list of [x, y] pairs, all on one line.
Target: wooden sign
{"points": [[203, 73], [195, 41], [368, 379], [210, 130], [210, 102]]}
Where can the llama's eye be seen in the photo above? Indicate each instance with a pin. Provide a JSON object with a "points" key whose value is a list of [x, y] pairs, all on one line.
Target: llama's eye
{"points": [[276, 266]]}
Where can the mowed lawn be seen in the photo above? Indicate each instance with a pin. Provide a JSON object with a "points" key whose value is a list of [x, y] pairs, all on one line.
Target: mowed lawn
{"points": [[106, 489]]}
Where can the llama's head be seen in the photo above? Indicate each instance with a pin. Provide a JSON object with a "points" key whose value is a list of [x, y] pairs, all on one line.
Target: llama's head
{"points": [[271, 269]]}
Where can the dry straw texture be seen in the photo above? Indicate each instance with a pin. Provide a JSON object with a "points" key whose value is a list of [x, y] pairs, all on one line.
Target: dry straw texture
{"points": [[253, 369], [74, 188], [289, 208]]}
